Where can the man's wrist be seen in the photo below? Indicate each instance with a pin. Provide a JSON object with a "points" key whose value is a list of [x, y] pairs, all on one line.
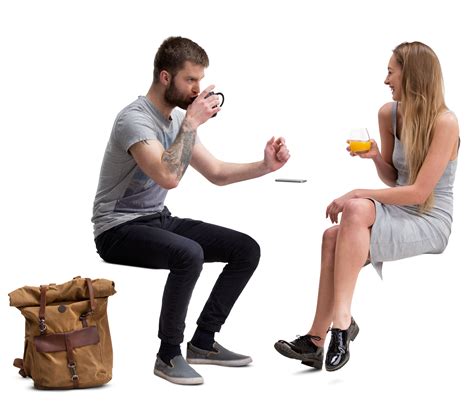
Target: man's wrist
{"points": [[189, 124], [265, 169]]}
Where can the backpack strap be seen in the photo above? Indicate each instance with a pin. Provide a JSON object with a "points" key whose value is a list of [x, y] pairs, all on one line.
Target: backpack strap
{"points": [[92, 304], [18, 362], [91, 294], [42, 310], [71, 362]]}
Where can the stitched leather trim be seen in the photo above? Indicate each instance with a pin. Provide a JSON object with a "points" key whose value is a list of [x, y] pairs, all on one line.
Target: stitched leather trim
{"points": [[57, 342]]}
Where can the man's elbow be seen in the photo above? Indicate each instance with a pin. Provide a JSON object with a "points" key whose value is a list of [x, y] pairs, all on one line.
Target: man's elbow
{"points": [[218, 180], [170, 182], [216, 177]]}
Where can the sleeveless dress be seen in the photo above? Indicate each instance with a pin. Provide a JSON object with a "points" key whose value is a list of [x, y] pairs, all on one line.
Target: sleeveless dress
{"points": [[403, 231]]}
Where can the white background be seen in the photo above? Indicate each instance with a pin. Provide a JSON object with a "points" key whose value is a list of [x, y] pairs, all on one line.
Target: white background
{"points": [[308, 71]]}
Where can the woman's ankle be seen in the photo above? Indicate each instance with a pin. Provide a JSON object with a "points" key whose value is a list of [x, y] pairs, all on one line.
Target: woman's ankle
{"points": [[342, 322], [317, 340]]}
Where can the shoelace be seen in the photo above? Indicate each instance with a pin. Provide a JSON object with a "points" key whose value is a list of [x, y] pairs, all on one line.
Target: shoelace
{"points": [[306, 341], [307, 337]]}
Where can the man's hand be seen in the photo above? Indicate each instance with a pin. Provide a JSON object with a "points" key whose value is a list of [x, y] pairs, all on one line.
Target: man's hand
{"points": [[276, 154], [202, 108]]}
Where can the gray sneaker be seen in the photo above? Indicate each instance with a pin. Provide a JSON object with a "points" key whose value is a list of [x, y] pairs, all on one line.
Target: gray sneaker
{"points": [[219, 356], [179, 372]]}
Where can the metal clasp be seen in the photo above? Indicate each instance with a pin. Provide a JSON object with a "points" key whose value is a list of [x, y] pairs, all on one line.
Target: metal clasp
{"points": [[72, 367], [42, 326]]}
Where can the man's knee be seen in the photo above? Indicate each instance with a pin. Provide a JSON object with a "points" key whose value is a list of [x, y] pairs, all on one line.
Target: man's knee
{"points": [[189, 258], [248, 250]]}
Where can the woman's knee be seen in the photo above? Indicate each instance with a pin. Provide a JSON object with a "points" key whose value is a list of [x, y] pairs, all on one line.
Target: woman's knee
{"points": [[330, 236], [359, 211]]}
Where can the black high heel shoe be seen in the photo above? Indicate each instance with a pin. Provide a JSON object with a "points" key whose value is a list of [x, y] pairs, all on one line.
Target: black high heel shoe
{"points": [[338, 350]]}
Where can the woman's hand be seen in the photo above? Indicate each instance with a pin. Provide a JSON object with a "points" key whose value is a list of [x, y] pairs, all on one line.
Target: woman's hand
{"points": [[371, 154], [337, 205]]}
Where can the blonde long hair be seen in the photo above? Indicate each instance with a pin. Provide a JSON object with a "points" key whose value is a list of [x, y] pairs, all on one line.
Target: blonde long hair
{"points": [[422, 100]]}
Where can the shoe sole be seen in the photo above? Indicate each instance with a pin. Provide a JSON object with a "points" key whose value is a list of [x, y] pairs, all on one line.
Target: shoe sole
{"points": [[224, 363], [332, 369], [180, 381], [306, 359]]}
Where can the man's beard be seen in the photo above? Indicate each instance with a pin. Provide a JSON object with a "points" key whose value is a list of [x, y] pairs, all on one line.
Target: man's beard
{"points": [[175, 98]]}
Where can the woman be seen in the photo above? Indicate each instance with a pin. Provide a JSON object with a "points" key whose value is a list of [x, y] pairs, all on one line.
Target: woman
{"points": [[419, 146]]}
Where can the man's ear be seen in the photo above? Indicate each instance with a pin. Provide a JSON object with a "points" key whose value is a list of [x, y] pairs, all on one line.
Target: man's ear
{"points": [[165, 77]]}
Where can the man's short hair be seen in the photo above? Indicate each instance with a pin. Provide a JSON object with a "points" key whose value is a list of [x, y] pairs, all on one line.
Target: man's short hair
{"points": [[174, 52]]}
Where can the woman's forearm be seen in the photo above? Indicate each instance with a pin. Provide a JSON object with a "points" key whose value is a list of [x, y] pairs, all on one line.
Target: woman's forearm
{"points": [[387, 173]]}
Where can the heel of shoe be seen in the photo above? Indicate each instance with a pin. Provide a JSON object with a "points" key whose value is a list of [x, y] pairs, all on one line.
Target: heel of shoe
{"points": [[317, 363], [356, 332]]}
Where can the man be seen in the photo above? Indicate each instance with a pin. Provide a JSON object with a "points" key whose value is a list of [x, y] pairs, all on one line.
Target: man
{"points": [[149, 150]]}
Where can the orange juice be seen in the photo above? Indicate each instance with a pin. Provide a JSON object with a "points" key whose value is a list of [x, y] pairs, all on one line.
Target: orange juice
{"points": [[359, 146]]}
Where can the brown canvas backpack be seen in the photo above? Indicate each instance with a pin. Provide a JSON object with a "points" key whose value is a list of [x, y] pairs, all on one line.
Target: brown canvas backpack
{"points": [[67, 337]]}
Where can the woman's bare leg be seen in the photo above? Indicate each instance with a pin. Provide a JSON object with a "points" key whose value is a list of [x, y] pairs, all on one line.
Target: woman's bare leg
{"points": [[325, 306], [352, 251]]}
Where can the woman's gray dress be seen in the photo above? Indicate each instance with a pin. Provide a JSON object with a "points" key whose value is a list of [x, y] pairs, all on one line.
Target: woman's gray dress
{"points": [[402, 231]]}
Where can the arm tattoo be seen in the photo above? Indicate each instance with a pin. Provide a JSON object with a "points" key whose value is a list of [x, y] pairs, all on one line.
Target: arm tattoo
{"points": [[178, 156]]}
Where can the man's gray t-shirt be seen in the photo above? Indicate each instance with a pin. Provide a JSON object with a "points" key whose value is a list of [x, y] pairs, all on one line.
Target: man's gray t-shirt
{"points": [[124, 191]]}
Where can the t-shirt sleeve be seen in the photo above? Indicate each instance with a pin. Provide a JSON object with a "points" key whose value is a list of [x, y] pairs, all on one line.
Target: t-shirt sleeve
{"points": [[132, 127]]}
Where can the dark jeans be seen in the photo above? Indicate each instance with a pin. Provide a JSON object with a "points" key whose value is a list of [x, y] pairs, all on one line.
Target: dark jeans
{"points": [[182, 245]]}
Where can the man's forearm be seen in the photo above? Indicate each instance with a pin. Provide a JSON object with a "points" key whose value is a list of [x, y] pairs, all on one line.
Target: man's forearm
{"points": [[178, 156], [237, 172]]}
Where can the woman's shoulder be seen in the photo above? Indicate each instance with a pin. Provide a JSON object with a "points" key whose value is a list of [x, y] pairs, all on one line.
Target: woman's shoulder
{"points": [[385, 111], [447, 118], [447, 123], [446, 127]]}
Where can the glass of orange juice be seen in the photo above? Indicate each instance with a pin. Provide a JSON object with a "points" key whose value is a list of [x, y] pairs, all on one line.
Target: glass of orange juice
{"points": [[359, 140]]}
